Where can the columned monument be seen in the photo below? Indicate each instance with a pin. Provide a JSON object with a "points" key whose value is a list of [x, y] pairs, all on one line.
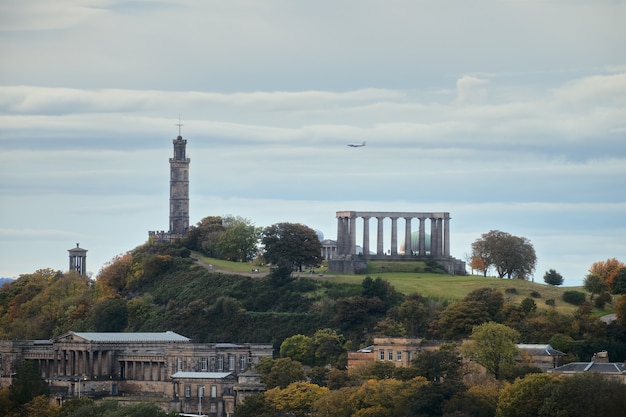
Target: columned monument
{"points": [[179, 194], [78, 260], [348, 260]]}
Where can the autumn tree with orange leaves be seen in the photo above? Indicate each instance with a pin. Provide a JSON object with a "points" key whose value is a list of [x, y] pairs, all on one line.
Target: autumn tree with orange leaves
{"points": [[607, 270]]}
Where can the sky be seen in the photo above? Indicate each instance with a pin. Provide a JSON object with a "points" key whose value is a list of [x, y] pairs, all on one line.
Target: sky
{"points": [[509, 115]]}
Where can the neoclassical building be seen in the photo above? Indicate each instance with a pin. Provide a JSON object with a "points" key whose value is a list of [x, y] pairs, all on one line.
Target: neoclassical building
{"points": [[346, 259], [166, 367]]}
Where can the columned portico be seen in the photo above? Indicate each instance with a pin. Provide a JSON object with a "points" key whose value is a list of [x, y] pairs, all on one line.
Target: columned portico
{"points": [[348, 260], [439, 233]]}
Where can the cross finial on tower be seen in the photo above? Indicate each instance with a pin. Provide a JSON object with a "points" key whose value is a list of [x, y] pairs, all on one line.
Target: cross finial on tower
{"points": [[179, 124]]}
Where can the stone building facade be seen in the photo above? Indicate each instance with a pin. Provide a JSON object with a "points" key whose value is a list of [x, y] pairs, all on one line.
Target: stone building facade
{"points": [[166, 367]]}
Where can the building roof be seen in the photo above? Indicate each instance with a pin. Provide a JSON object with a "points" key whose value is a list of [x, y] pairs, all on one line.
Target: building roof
{"points": [[116, 337], [201, 375], [539, 349], [603, 368]]}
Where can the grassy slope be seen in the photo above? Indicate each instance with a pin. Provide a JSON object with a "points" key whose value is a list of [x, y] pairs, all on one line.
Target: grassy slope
{"points": [[440, 286]]}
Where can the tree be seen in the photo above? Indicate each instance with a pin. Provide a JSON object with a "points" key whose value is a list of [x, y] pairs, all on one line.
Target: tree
{"points": [[490, 298], [493, 346], [299, 348], [458, 319], [297, 398], [587, 394], [512, 256], [239, 241], [441, 364], [594, 284], [478, 264], [525, 397], [620, 310], [619, 282], [329, 347], [203, 237], [280, 372], [27, 384], [552, 277], [291, 244], [607, 270], [110, 315]]}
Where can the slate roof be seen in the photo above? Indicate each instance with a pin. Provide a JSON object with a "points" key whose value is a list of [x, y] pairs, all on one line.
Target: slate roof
{"points": [[603, 368], [539, 349], [201, 375], [116, 337]]}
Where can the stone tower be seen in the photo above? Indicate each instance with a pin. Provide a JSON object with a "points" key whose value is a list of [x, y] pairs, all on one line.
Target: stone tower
{"points": [[78, 260], [179, 189]]}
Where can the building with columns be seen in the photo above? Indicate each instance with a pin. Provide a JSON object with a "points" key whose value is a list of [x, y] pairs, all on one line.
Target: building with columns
{"points": [[166, 367], [347, 260], [78, 260], [179, 194]]}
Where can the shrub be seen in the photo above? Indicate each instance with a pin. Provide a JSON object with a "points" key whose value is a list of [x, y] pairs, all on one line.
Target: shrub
{"points": [[535, 294], [602, 299], [550, 302], [511, 290], [574, 297]]}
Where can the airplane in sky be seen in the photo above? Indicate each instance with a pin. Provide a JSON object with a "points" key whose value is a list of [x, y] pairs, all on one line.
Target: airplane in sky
{"points": [[356, 145]]}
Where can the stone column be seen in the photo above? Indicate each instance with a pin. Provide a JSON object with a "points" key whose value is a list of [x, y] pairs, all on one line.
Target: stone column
{"points": [[379, 236], [408, 245], [421, 246], [433, 236], [366, 236], [439, 236], [394, 235], [339, 235], [446, 237], [352, 221]]}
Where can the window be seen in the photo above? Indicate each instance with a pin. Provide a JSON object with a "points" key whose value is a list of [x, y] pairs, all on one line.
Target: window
{"points": [[212, 363], [213, 391], [242, 362], [390, 355], [399, 356], [213, 408], [231, 362], [205, 364], [382, 354], [179, 364], [187, 391], [220, 363], [200, 392]]}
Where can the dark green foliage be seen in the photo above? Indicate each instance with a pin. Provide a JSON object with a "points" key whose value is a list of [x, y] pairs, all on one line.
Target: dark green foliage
{"points": [[280, 372], [535, 294], [585, 395], [110, 315], [511, 290], [255, 406], [291, 244], [552, 277], [619, 282], [458, 319], [430, 398], [27, 384], [550, 302], [528, 305], [574, 297], [435, 365], [602, 300], [491, 299]]}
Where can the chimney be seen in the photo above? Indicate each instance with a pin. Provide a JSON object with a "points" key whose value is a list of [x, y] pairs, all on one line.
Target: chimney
{"points": [[601, 357]]}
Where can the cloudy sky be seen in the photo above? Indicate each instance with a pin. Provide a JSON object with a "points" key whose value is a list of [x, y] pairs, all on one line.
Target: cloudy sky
{"points": [[510, 115]]}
